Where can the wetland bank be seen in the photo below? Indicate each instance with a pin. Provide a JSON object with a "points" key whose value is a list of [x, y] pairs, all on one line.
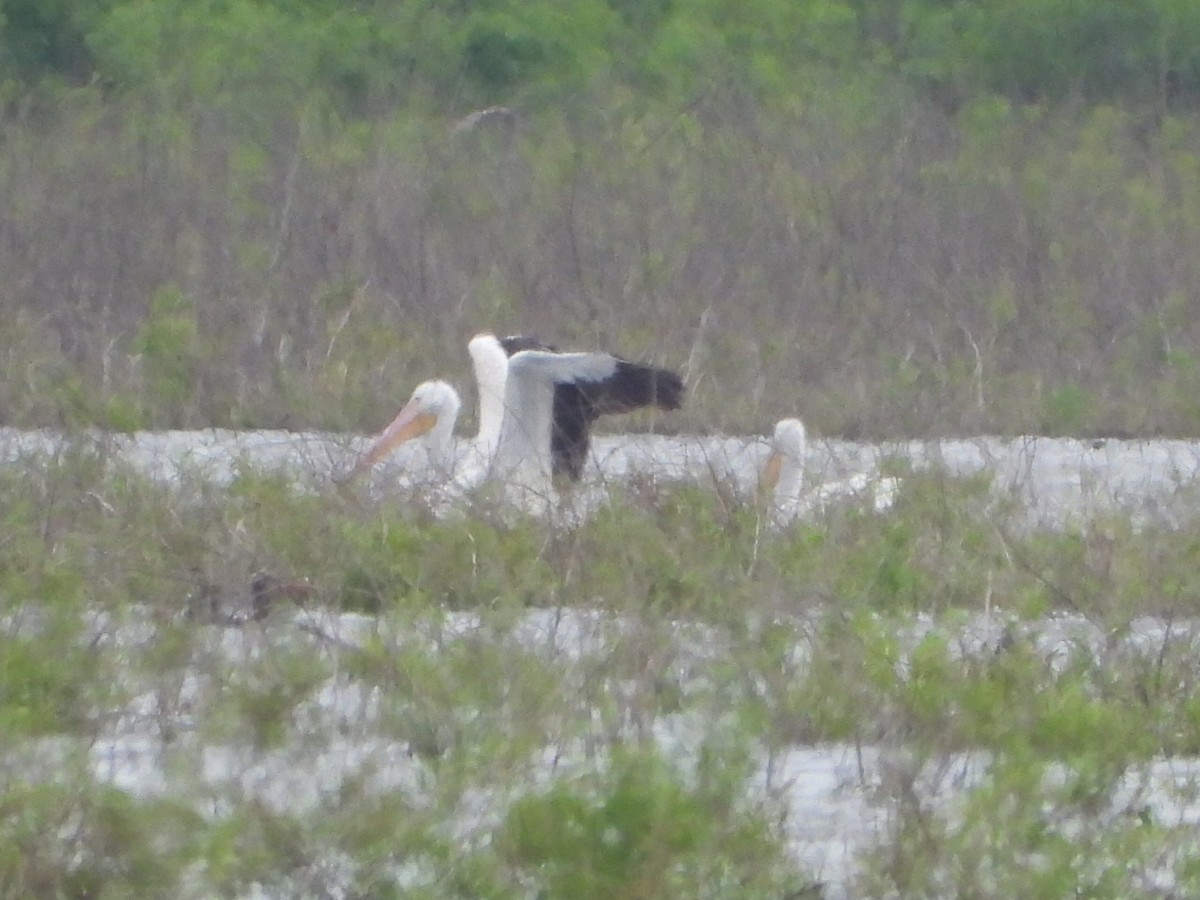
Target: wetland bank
{"points": [[673, 691]]}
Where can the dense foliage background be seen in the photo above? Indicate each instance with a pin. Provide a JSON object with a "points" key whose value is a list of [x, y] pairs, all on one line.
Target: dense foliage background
{"points": [[892, 218]]}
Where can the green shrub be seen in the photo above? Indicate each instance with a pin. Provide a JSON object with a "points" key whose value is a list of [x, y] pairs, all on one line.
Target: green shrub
{"points": [[639, 831]]}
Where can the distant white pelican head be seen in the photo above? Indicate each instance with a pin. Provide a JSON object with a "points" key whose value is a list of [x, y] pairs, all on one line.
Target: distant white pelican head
{"points": [[783, 472], [783, 476]]}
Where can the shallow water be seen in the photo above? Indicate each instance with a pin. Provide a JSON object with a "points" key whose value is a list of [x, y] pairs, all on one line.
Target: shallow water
{"points": [[834, 798], [1054, 481], [832, 794]]}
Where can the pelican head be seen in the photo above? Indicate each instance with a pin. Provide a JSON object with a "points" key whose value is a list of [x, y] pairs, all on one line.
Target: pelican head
{"points": [[432, 409], [789, 446]]}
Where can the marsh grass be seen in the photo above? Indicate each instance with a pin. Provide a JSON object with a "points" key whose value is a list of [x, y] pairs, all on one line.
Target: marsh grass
{"points": [[903, 270], [481, 705]]}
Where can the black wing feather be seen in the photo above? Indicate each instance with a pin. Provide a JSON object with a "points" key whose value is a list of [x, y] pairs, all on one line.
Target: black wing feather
{"points": [[577, 405]]}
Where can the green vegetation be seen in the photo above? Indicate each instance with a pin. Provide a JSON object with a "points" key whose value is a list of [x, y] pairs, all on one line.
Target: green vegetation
{"points": [[932, 217], [642, 832], [436, 740]]}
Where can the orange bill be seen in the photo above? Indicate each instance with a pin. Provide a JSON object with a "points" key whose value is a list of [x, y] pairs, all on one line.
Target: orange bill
{"points": [[769, 477], [410, 423]]}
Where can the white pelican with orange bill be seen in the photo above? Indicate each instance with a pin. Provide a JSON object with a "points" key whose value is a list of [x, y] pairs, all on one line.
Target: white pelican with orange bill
{"points": [[537, 407], [783, 476]]}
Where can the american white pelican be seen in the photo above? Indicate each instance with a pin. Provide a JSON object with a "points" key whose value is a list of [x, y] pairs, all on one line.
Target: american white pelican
{"points": [[551, 401], [783, 475], [489, 357], [535, 411], [433, 409], [578, 398]]}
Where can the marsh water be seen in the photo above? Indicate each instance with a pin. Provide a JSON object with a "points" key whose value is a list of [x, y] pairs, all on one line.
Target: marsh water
{"points": [[831, 792], [1052, 481]]}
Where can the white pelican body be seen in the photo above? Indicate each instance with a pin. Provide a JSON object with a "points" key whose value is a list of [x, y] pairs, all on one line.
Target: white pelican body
{"points": [[490, 361], [535, 412], [524, 460], [783, 475], [431, 413]]}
